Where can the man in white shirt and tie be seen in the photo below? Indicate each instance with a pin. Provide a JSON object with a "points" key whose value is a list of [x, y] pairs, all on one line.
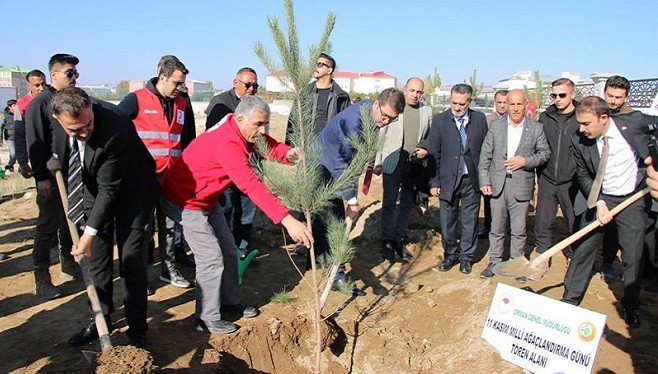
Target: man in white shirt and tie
{"points": [[609, 167]]}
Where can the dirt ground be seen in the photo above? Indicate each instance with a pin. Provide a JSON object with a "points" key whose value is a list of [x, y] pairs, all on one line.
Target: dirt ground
{"points": [[412, 320]]}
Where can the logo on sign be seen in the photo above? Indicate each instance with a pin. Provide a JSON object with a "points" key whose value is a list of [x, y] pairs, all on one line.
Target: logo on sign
{"points": [[587, 331], [180, 117], [505, 304], [149, 111]]}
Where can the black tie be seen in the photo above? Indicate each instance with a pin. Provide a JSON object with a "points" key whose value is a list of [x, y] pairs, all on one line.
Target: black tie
{"points": [[76, 210]]}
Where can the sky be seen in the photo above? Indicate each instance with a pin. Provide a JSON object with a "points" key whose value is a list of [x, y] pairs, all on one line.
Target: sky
{"points": [[120, 39]]}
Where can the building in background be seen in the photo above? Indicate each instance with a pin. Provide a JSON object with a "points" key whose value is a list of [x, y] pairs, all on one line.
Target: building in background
{"points": [[365, 83], [14, 77]]}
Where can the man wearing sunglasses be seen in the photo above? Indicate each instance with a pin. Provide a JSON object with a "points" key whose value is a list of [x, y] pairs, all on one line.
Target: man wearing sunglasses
{"points": [[327, 98], [337, 154], [556, 180], [165, 122], [51, 224], [234, 203]]}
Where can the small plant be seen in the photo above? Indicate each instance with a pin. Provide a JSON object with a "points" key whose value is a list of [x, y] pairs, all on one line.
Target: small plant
{"points": [[282, 297], [301, 187]]}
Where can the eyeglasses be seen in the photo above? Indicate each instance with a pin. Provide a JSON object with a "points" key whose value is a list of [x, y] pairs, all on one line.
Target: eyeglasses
{"points": [[320, 64], [561, 95], [70, 73], [386, 116], [179, 84], [249, 85]]}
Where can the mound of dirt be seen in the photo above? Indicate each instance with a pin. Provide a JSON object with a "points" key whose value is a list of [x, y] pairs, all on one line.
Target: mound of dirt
{"points": [[124, 360], [279, 343]]}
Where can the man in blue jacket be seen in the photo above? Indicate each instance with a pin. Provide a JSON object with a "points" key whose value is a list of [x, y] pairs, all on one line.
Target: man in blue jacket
{"points": [[337, 154]]}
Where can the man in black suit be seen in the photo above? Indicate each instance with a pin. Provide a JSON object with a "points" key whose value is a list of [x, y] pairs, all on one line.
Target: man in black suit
{"points": [[235, 203], [609, 166], [119, 192], [456, 137]]}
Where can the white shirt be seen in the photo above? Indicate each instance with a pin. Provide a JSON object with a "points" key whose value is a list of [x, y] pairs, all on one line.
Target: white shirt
{"points": [[513, 137], [621, 170]]}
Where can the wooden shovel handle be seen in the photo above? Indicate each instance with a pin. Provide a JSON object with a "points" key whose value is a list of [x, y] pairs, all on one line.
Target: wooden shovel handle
{"points": [[587, 229], [101, 325]]}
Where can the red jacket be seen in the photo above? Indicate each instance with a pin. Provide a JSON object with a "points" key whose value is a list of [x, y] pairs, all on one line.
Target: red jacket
{"points": [[213, 162], [23, 103], [162, 139]]}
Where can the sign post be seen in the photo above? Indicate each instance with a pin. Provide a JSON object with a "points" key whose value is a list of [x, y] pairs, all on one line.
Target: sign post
{"points": [[540, 334]]}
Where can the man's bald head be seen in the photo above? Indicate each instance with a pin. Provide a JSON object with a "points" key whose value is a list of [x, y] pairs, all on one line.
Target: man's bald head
{"points": [[516, 105]]}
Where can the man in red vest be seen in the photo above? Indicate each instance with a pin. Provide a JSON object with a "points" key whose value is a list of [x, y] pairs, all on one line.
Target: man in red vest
{"points": [[165, 122]]}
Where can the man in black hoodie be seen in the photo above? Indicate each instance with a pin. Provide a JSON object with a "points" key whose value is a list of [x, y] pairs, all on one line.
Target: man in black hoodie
{"points": [[555, 179], [328, 99]]}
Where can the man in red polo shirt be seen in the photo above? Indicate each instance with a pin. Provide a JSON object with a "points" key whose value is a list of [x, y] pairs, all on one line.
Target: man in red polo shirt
{"points": [[213, 162]]}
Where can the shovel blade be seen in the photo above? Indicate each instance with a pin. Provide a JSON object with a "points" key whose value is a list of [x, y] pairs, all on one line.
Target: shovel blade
{"points": [[516, 267], [90, 356]]}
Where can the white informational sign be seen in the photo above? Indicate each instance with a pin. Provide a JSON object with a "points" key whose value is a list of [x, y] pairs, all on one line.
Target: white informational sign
{"points": [[540, 334]]}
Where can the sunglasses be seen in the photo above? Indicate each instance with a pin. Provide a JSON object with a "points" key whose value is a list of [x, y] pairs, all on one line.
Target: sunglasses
{"points": [[70, 73], [561, 95], [249, 85], [320, 64]]}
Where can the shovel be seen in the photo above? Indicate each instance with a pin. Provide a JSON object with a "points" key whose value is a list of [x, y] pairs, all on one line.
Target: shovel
{"points": [[520, 266], [101, 325]]}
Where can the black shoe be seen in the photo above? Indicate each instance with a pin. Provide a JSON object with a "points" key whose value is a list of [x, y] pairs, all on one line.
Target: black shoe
{"points": [[239, 309], [632, 318], [88, 334], [388, 251], [403, 252], [138, 340], [484, 233], [341, 282], [447, 264], [217, 327], [465, 267], [488, 271]]}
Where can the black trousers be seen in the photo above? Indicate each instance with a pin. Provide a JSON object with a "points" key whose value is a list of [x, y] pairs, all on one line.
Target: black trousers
{"points": [[549, 197], [51, 230], [132, 244], [630, 224], [469, 199]]}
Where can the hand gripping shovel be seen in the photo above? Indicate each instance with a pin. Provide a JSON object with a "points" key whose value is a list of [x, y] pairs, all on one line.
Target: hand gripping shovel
{"points": [[101, 325], [520, 266]]}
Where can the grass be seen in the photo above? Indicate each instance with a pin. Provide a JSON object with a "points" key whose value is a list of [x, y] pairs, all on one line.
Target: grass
{"points": [[282, 297], [15, 183]]}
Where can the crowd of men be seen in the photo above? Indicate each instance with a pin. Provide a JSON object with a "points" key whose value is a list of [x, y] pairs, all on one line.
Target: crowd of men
{"points": [[123, 163]]}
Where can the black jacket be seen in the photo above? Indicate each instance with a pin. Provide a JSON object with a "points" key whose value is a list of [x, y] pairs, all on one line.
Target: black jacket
{"points": [[337, 102], [118, 171], [8, 125], [130, 106], [445, 149], [561, 167], [220, 106], [39, 124]]}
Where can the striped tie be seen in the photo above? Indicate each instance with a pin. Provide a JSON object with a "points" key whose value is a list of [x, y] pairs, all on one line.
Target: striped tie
{"points": [[464, 139], [76, 210]]}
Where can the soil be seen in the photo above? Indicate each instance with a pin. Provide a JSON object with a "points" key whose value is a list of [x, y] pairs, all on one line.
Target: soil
{"points": [[412, 320], [124, 360]]}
